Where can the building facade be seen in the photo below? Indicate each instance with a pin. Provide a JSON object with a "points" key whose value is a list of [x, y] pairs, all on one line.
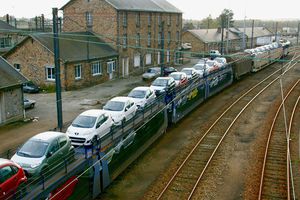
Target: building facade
{"points": [[11, 94], [138, 30], [85, 60]]}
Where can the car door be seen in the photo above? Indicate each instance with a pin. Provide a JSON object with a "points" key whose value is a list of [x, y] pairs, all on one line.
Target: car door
{"points": [[102, 125], [8, 182], [63, 147], [53, 155]]}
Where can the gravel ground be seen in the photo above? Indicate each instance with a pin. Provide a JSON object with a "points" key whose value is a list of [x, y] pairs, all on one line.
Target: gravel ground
{"points": [[227, 178]]}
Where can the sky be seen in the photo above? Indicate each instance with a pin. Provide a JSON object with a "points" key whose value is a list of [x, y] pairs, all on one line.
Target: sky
{"points": [[192, 9]]}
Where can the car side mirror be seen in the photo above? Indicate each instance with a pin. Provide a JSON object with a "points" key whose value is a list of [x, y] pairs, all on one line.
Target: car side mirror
{"points": [[49, 154]]}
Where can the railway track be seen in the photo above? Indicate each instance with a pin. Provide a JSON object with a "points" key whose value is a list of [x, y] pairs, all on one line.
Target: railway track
{"points": [[275, 176], [185, 180]]}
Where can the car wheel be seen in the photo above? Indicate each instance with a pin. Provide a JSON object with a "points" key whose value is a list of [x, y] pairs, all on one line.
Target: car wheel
{"points": [[32, 105]]}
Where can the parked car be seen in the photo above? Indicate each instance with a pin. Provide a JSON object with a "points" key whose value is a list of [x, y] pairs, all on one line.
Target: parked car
{"points": [[201, 68], [221, 60], [213, 65], [30, 87], [43, 151], [190, 73], [28, 103], [169, 70], [121, 109], [163, 84], [179, 77], [142, 96], [151, 73], [12, 179], [89, 126]]}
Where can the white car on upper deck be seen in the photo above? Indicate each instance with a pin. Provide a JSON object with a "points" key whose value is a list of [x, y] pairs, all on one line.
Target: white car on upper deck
{"points": [[142, 96]]}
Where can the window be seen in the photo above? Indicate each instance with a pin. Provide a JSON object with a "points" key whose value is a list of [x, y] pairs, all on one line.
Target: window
{"points": [[5, 42], [124, 19], [77, 71], [17, 67], [96, 68], [111, 66], [149, 19], [159, 19], [50, 73], [169, 37], [62, 141], [148, 59], [6, 173], [168, 55], [177, 19], [89, 19], [125, 41], [137, 60], [138, 40], [138, 19], [177, 37], [169, 20], [149, 40], [159, 38], [54, 147]]}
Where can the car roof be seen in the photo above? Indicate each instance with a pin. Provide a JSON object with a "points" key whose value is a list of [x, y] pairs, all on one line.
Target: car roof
{"points": [[179, 73], [93, 112], [122, 99], [144, 88], [165, 78], [188, 68], [48, 136]]}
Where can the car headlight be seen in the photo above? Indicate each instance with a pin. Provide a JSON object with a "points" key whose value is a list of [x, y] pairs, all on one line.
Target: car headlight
{"points": [[35, 165]]}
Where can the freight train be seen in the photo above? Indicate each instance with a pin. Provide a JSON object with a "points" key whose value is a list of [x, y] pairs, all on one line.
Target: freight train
{"points": [[113, 152]]}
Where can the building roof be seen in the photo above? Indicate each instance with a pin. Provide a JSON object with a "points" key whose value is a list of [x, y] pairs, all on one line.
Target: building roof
{"points": [[212, 35], [5, 27], [140, 5], [9, 75], [257, 32], [79, 46]]}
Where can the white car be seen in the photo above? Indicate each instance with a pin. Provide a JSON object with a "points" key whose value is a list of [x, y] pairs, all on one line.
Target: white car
{"points": [[201, 68], [190, 73], [221, 60], [163, 84], [142, 96], [89, 126], [121, 109], [28, 103]]}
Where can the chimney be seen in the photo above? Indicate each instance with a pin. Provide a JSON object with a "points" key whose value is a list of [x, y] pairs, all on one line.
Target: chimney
{"points": [[219, 30], [7, 18]]}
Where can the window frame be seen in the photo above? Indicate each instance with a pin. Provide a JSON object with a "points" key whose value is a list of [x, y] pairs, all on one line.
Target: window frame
{"points": [[125, 20], [149, 59], [149, 19], [149, 39], [80, 71], [169, 37], [52, 74], [138, 40], [97, 64], [113, 62], [89, 18], [125, 41]]}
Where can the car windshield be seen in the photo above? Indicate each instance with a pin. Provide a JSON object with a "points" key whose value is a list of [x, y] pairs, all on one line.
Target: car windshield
{"points": [[84, 121], [199, 67], [187, 71], [160, 82], [33, 149], [151, 71], [140, 94], [114, 106], [177, 77]]}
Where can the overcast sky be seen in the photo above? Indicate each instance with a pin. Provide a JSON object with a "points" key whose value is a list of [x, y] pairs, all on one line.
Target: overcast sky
{"points": [[192, 9]]}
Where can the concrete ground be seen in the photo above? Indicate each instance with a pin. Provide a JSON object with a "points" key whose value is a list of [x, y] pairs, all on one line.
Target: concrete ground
{"points": [[43, 116]]}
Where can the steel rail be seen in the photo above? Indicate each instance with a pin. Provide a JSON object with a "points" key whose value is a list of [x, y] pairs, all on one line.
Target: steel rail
{"points": [[216, 121], [268, 144]]}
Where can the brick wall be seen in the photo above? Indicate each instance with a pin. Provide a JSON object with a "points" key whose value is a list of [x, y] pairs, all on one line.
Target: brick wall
{"points": [[198, 47]]}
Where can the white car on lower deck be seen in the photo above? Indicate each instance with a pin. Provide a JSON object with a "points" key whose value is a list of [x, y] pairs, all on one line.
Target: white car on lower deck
{"points": [[88, 126], [142, 96], [121, 109]]}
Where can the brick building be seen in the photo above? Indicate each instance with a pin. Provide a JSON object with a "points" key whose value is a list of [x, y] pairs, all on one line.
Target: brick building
{"points": [[135, 27], [11, 94], [85, 59]]}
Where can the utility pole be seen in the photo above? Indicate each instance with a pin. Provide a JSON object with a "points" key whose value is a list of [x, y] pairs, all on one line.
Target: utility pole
{"points": [[7, 18], [162, 54], [227, 35], [36, 23], [244, 34], [43, 23], [276, 27], [222, 35], [298, 33], [57, 70], [252, 34]]}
